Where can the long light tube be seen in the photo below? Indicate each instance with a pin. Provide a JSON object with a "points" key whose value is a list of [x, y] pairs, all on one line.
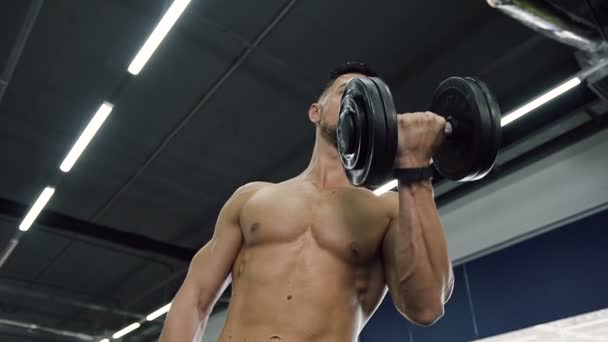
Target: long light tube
{"points": [[154, 315], [35, 210], [122, 332], [156, 37], [539, 101], [87, 135]]}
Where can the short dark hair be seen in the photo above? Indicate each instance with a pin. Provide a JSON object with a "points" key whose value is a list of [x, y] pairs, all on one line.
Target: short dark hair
{"points": [[351, 68], [348, 68]]}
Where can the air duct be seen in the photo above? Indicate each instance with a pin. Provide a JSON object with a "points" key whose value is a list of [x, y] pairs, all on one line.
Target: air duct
{"points": [[545, 19]]}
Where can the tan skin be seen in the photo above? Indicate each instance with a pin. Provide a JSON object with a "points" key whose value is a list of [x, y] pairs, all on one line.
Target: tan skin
{"points": [[311, 258]]}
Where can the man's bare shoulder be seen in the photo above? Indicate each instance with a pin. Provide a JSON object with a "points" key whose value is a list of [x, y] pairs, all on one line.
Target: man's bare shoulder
{"points": [[249, 189], [390, 200], [252, 187]]}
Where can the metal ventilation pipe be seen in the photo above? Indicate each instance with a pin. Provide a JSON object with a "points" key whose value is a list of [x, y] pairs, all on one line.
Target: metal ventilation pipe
{"points": [[537, 15]]}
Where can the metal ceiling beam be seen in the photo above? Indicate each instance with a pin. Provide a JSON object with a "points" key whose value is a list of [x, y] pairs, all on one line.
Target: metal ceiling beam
{"points": [[19, 45], [64, 223], [14, 291]]}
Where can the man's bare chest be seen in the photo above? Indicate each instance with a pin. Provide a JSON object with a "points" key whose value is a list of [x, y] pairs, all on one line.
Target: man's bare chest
{"points": [[345, 222]]}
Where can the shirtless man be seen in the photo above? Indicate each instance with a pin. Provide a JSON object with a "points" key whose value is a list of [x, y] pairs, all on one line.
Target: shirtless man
{"points": [[311, 258]]}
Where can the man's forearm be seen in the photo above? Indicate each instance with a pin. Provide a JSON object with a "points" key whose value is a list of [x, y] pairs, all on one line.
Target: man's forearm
{"points": [[421, 228]]}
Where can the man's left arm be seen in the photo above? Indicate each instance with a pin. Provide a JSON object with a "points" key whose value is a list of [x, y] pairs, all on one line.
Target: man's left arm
{"points": [[417, 267]]}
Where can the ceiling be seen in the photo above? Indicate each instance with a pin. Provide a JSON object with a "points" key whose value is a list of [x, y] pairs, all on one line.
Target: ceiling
{"points": [[222, 102]]}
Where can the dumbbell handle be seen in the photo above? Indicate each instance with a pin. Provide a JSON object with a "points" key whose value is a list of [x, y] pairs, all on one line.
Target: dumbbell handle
{"points": [[450, 126], [448, 129], [454, 128]]}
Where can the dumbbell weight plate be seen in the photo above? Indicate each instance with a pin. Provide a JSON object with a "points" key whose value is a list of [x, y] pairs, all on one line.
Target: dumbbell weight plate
{"points": [[387, 137], [367, 132], [488, 155], [469, 153]]}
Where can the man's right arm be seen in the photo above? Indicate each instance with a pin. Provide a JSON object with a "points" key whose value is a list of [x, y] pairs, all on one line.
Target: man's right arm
{"points": [[208, 275]]}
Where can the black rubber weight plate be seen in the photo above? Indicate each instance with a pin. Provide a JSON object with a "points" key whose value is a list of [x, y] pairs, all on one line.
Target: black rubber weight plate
{"points": [[351, 129], [384, 155], [363, 98], [463, 156], [351, 108], [493, 144], [376, 122]]}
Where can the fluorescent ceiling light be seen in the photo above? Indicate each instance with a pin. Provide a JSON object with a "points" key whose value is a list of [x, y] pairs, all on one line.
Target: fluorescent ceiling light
{"points": [[102, 114], [514, 115], [164, 26], [105, 340], [386, 187], [158, 312], [539, 101], [125, 331], [35, 210]]}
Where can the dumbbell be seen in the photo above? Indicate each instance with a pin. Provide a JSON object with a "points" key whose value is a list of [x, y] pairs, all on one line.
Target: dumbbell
{"points": [[367, 130]]}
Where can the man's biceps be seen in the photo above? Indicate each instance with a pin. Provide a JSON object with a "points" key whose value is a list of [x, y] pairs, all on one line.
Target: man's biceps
{"points": [[388, 244], [228, 236]]}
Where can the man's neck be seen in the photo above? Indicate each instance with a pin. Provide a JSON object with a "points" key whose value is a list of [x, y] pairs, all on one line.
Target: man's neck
{"points": [[325, 168]]}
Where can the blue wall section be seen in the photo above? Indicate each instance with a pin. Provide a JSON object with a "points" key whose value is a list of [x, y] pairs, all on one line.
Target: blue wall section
{"points": [[552, 276], [387, 321], [458, 320]]}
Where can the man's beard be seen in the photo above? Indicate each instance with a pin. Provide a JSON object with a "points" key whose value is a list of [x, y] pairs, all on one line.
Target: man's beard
{"points": [[328, 133]]}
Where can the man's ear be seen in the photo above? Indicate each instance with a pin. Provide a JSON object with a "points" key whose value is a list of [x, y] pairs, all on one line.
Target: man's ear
{"points": [[314, 113]]}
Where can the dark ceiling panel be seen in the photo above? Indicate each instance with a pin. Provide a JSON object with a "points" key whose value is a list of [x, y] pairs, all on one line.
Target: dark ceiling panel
{"points": [[132, 291], [124, 290], [43, 288], [505, 61], [50, 306], [34, 251], [11, 21], [7, 231], [154, 104], [28, 309], [241, 18], [223, 147], [75, 56], [90, 269], [387, 34], [14, 334]]}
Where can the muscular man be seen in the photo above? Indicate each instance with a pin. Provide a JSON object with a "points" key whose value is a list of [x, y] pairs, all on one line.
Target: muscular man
{"points": [[311, 258]]}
